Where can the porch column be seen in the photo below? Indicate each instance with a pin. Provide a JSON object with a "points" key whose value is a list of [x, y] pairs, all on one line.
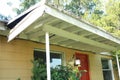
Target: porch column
{"points": [[48, 56], [118, 65]]}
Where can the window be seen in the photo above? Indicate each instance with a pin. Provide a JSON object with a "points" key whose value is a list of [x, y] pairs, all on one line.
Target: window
{"points": [[55, 57], [107, 69]]}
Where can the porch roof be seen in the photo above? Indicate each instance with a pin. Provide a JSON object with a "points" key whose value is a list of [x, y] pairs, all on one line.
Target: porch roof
{"points": [[65, 30]]}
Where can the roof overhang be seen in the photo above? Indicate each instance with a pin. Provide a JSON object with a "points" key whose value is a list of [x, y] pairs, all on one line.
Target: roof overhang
{"points": [[3, 25], [65, 30], [3, 28]]}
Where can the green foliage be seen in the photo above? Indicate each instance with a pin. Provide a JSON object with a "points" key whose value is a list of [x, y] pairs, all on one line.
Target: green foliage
{"points": [[68, 72], [65, 73], [74, 7], [114, 53], [60, 73], [81, 7], [25, 4], [110, 21], [39, 70]]}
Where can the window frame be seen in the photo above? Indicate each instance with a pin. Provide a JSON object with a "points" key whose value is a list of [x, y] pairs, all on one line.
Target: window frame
{"points": [[110, 67], [63, 62]]}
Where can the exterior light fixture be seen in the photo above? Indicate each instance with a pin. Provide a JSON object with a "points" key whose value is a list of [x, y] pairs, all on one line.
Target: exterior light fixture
{"points": [[77, 62]]}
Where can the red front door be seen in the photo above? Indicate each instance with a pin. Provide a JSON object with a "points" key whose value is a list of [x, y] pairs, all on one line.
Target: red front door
{"points": [[84, 65]]}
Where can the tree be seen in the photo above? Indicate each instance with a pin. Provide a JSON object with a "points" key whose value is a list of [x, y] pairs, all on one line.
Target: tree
{"points": [[111, 20], [83, 7], [4, 18], [25, 4], [105, 15]]}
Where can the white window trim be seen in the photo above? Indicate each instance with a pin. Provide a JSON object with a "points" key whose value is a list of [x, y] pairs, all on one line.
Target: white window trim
{"points": [[53, 51], [110, 68]]}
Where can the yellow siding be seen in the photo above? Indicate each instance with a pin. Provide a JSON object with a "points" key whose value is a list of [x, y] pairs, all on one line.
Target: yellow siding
{"points": [[15, 60], [96, 67], [16, 56]]}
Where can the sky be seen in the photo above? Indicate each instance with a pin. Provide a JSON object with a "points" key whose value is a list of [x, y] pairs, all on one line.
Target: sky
{"points": [[7, 6]]}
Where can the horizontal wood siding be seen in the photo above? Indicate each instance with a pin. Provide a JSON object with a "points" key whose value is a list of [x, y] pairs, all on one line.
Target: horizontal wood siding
{"points": [[16, 56], [15, 59]]}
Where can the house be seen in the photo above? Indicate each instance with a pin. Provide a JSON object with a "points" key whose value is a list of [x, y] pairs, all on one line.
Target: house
{"points": [[44, 29]]}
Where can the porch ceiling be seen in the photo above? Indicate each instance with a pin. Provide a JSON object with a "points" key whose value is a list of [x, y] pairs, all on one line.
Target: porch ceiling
{"points": [[67, 31]]}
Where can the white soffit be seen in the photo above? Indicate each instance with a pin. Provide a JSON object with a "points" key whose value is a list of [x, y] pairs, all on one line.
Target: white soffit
{"points": [[27, 21], [80, 24], [34, 16]]}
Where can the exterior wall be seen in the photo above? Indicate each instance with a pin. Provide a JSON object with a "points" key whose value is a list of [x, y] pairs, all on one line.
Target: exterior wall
{"points": [[95, 67], [16, 56]]}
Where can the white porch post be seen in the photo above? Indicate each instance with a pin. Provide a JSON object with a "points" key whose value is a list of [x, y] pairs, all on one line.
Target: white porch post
{"points": [[48, 56], [118, 65]]}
